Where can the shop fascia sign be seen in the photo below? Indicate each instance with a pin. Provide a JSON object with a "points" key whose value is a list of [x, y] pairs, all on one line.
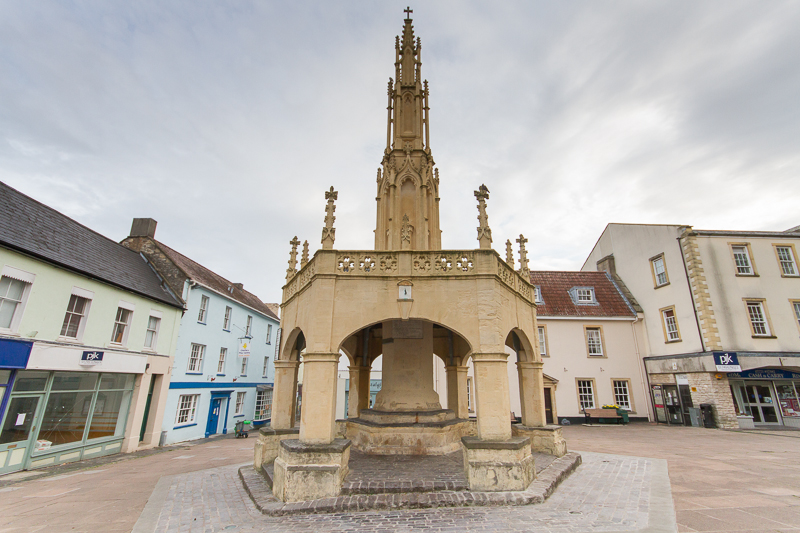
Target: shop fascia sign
{"points": [[244, 347], [727, 362], [91, 358], [765, 374]]}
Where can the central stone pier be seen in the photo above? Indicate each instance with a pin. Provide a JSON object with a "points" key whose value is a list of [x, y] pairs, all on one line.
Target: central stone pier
{"points": [[435, 432]]}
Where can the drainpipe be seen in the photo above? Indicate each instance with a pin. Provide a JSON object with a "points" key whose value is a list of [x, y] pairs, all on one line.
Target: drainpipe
{"points": [[651, 412], [691, 295]]}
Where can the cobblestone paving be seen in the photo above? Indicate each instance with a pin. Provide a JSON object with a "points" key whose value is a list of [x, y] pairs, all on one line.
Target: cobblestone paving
{"points": [[607, 493]]}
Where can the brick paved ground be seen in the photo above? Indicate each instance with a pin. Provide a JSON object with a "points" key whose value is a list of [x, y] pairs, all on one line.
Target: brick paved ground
{"points": [[607, 493], [721, 481]]}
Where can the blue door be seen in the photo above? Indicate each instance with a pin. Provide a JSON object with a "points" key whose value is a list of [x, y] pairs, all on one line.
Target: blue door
{"points": [[213, 416]]}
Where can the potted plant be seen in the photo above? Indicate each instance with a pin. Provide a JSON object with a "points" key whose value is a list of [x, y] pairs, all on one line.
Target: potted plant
{"points": [[620, 411]]}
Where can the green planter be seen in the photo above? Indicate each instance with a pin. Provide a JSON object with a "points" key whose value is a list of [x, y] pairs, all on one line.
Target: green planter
{"points": [[624, 414]]}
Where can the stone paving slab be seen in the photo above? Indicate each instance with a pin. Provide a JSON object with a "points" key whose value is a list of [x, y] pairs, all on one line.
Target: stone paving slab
{"points": [[607, 493]]}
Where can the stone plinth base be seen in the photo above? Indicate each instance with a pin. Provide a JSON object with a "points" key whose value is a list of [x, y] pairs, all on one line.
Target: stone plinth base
{"points": [[266, 448], [310, 471], [436, 432], [493, 466], [546, 439]]}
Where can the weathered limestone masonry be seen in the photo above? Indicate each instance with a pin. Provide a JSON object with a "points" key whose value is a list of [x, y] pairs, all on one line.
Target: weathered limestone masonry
{"points": [[706, 387], [697, 278], [406, 301]]}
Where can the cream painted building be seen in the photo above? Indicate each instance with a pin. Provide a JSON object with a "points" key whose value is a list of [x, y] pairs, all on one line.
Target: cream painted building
{"points": [[722, 318]]}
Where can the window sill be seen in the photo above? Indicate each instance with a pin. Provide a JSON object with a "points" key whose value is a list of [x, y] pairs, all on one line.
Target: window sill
{"points": [[185, 426], [221, 375], [596, 357], [7, 332], [790, 275], [662, 285], [764, 336], [747, 275], [149, 350], [71, 340], [201, 323], [226, 330], [673, 342], [238, 416], [193, 373], [116, 346]]}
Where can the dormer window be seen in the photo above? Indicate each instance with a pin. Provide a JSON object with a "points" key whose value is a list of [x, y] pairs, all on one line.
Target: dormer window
{"points": [[583, 296], [537, 292]]}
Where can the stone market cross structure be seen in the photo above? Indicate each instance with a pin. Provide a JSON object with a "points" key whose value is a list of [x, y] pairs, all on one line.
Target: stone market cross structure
{"points": [[408, 301]]}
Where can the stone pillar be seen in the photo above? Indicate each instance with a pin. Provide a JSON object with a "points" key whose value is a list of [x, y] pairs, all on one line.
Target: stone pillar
{"points": [[492, 396], [457, 390], [318, 411], [283, 395], [356, 399], [531, 393]]}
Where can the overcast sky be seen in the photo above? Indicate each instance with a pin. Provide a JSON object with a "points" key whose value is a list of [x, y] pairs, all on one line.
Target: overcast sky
{"points": [[227, 121]]}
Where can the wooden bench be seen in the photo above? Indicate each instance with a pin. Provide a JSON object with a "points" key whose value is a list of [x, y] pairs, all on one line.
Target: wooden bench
{"points": [[602, 413]]}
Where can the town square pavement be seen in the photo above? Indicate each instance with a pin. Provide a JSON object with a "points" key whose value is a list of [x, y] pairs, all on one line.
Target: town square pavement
{"points": [[718, 481]]}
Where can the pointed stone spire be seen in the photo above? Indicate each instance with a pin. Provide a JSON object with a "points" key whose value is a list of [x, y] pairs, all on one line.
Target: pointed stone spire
{"points": [[304, 257], [484, 231], [509, 254], [523, 258], [292, 270], [329, 232]]}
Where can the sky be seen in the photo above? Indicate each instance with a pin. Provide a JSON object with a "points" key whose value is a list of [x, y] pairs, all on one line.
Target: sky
{"points": [[227, 121]]}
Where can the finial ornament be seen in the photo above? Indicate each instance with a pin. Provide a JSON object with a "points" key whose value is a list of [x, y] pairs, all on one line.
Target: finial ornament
{"points": [[292, 270], [408, 12], [304, 257], [484, 231], [329, 232], [523, 258], [509, 254]]}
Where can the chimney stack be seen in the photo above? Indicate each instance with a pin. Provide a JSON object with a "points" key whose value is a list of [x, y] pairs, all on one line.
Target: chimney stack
{"points": [[143, 227]]}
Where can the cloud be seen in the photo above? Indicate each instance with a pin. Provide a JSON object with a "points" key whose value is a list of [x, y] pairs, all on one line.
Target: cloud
{"points": [[227, 122]]}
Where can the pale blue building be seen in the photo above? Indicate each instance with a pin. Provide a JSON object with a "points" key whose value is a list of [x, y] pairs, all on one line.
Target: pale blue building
{"points": [[224, 360]]}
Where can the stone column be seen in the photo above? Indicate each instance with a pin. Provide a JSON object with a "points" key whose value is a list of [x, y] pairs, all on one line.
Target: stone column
{"points": [[283, 394], [531, 393], [457, 390], [492, 396], [318, 412], [358, 398]]}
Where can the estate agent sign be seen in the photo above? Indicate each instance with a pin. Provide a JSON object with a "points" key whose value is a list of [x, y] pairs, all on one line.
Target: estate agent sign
{"points": [[727, 362]]}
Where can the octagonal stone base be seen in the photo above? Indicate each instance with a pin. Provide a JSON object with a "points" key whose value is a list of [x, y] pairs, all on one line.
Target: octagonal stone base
{"points": [[266, 448], [310, 471], [435, 432], [545, 439], [493, 466]]}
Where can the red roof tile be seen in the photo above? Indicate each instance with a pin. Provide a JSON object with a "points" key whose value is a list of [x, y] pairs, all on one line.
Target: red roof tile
{"points": [[555, 288]]}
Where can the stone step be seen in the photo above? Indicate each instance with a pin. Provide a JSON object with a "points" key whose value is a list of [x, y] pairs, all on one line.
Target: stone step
{"points": [[395, 487]]}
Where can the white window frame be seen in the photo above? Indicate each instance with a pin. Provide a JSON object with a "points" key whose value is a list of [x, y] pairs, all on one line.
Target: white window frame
{"points": [[583, 296], [796, 308], [269, 333], [226, 322], [223, 355], [263, 405], [154, 338], [659, 268], [618, 393], [248, 330], [537, 294], [196, 356], [27, 279], [126, 325], [758, 318], [543, 341], [743, 259], [239, 409], [244, 366], [202, 316], [187, 409], [671, 331], [265, 373], [585, 393], [594, 343], [787, 260]]}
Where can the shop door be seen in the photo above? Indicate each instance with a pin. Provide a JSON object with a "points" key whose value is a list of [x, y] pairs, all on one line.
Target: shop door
{"points": [[548, 405], [18, 430], [673, 404], [760, 402], [213, 416]]}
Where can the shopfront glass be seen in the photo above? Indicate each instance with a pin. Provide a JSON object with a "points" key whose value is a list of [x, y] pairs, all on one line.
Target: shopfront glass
{"points": [[5, 376], [788, 398]]}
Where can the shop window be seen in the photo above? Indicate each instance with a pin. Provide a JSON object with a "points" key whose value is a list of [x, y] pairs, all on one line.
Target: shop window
{"points": [[240, 403], [201, 317], [659, 271], [787, 260], [622, 394], [594, 341], [187, 409], [223, 353], [788, 399], [151, 335], [226, 323], [670, 324], [263, 404], [196, 358], [543, 341], [121, 326], [31, 381], [759, 320], [13, 293], [586, 394]]}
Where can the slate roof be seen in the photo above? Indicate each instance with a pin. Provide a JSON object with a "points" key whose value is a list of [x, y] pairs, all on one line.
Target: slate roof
{"points": [[212, 280], [37, 230], [555, 288]]}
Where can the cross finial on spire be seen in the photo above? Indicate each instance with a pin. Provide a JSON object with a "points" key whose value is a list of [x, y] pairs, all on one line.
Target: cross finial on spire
{"points": [[408, 12], [292, 270], [329, 232], [484, 232], [523, 257]]}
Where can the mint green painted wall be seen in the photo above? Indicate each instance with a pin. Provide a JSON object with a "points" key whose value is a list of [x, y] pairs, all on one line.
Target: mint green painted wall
{"points": [[47, 304]]}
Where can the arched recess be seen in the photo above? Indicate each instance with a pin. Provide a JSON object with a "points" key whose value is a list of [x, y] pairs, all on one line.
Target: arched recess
{"points": [[529, 373], [293, 346], [518, 341]]}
